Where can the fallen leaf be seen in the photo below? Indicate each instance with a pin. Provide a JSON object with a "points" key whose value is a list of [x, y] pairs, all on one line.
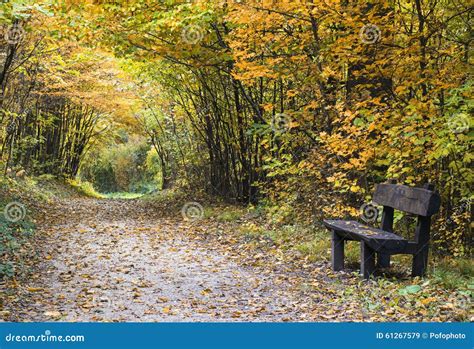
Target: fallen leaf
{"points": [[53, 314]]}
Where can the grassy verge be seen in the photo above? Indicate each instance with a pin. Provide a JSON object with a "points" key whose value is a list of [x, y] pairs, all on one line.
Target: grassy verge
{"points": [[15, 246], [123, 195], [17, 226], [87, 189], [17, 238]]}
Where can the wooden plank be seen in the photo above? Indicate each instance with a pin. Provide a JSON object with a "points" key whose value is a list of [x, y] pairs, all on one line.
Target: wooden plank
{"points": [[387, 219], [422, 236], [367, 260], [362, 229], [383, 260], [420, 262], [337, 252], [377, 239], [419, 201]]}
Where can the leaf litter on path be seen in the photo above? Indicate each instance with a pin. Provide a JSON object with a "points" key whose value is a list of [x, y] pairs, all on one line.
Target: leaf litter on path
{"points": [[114, 261]]}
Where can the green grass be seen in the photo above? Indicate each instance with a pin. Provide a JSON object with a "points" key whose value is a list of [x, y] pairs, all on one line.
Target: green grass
{"points": [[315, 249], [123, 195], [319, 248], [230, 215], [225, 214], [163, 196], [85, 188], [453, 273]]}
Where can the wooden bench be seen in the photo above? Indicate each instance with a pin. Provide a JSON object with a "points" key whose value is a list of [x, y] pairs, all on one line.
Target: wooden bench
{"points": [[423, 202]]}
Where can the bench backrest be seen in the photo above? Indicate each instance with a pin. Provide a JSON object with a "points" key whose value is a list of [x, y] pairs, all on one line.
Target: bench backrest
{"points": [[419, 201], [423, 202]]}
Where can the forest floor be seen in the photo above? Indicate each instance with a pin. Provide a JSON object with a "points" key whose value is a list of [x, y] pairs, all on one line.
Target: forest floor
{"points": [[137, 260]]}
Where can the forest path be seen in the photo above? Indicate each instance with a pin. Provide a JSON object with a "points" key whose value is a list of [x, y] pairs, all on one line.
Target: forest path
{"points": [[123, 260]]}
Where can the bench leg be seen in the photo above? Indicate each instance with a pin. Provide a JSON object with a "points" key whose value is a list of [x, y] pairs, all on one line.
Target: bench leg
{"points": [[383, 260], [420, 262], [337, 252], [367, 260]]}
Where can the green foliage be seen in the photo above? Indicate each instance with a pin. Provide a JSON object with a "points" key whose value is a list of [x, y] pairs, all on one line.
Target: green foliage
{"points": [[411, 289], [85, 188], [153, 167], [454, 274], [229, 216], [123, 195], [126, 167], [13, 237]]}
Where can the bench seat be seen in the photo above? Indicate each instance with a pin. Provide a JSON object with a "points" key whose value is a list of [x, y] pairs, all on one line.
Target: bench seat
{"points": [[377, 239]]}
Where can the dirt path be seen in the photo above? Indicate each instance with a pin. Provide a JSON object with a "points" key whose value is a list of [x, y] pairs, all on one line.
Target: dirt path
{"points": [[116, 260]]}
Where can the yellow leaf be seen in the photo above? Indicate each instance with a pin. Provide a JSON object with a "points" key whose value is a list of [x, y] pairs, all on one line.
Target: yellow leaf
{"points": [[35, 289], [428, 300], [236, 314], [53, 314], [355, 188]]}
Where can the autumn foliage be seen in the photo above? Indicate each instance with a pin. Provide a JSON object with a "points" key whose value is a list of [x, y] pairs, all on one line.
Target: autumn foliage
{"points": [[304, 104]]}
